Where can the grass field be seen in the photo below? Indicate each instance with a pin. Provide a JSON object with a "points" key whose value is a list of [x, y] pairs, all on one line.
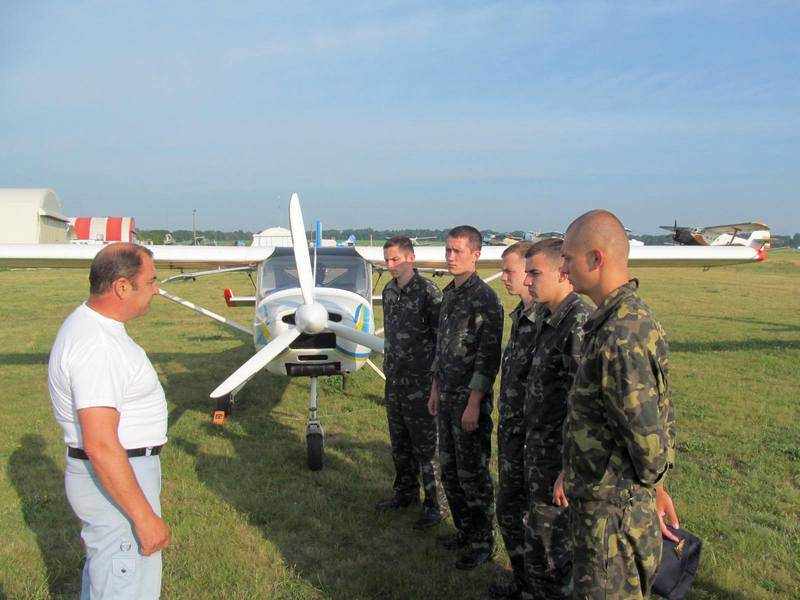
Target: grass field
{"points": [[250, 521]]}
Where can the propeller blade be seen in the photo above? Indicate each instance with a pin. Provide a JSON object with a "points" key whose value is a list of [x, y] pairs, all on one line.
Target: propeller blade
{"points": [[256, 362], [300, 247], [365, 339]]}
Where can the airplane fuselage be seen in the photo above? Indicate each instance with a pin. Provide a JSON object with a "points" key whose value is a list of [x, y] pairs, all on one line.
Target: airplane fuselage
{"points": [[343, 288], [321, 353]]}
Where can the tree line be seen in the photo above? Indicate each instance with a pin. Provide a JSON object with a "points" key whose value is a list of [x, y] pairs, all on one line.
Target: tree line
{"points": [[184, 236]]}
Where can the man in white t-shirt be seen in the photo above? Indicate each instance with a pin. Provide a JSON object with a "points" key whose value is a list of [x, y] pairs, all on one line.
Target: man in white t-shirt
{"points": [[107, 398]]}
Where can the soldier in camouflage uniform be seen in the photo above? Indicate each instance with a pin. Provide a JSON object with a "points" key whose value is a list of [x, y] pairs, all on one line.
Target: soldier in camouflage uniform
{"points": [[511, 493], [466, 363], [619, 437], [560, 314], [411, 316]]}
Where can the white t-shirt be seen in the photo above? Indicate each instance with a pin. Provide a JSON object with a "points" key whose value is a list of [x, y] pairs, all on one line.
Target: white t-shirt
{"points": [[95, 363]]}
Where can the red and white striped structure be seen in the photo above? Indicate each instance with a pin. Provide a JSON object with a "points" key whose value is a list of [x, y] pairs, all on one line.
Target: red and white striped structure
{"points": [[104, 229]]}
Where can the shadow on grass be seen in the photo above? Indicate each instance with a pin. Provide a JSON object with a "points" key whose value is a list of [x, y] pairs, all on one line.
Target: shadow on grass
{"points": [[24, 359], [768, 326], [40, 485], [735, 345], [323, 522]]}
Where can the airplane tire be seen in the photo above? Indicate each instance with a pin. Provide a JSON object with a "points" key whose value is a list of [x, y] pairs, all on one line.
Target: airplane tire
{"points": [[314, 445]]}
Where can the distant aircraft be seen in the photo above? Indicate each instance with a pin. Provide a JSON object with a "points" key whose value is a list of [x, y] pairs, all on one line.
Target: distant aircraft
{"points": [[631, 238], [419, 241], [508, 239], [313, 306], [199, 240], [722, 235], [498, 239], [416, 240], [333, 243]]}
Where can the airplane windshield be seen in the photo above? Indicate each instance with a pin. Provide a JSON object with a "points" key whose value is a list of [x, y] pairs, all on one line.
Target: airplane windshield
{"points": [[333, 271]]}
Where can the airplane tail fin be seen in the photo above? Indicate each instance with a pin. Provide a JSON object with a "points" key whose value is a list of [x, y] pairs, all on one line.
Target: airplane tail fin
{"points": [[760, 240]]}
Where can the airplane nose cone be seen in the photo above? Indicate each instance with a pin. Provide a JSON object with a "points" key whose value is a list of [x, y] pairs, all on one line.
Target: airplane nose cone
{"points": [[311, 318]]}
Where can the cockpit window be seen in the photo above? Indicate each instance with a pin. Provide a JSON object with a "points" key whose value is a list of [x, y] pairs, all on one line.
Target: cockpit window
{"points": [[344, 272]]}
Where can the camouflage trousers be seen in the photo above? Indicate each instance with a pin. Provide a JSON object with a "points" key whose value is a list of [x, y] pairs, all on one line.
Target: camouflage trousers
{"points": [[412, 431], [464, 458], [548, 550], [512, 497], [616, 546]]}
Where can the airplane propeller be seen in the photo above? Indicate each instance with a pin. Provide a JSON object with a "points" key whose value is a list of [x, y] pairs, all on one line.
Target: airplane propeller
{"points": [[310, 318]]}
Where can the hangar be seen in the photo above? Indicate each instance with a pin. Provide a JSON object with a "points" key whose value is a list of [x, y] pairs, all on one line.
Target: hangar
{"points": [[274, 236], [32, 216]]}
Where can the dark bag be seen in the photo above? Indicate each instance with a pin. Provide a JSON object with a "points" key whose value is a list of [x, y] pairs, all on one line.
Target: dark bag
{"points": [[679, 564]]}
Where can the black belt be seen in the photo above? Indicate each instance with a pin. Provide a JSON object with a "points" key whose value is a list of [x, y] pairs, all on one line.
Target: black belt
{"points": [[133, 453]]}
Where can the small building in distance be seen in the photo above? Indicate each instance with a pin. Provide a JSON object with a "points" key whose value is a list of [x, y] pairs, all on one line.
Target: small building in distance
{"points": [[272, 237], [87, 230], [31, 216]]}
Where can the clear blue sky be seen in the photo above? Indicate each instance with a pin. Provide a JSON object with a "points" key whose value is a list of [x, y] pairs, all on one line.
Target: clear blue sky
{"points": [[505, 115]]}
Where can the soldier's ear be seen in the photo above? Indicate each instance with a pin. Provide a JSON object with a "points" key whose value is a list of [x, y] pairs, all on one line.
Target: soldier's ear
{"points": [[597, 258]]}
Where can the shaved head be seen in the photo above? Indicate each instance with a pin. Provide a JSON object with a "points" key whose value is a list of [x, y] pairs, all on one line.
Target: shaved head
{"points": [[600, 229], [595, 253]]}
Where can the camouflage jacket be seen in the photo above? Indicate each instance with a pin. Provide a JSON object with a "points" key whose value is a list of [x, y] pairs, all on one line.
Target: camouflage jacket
{"points": [[554, 363], [410, 321], [514, 371], [620, 427], [470, 333]]}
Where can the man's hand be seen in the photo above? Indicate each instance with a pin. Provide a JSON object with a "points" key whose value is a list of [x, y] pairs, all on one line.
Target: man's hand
{"points": [[470, 416], [101, 442], [153, 535], [559, 497], [665, 508], [472, 413]]}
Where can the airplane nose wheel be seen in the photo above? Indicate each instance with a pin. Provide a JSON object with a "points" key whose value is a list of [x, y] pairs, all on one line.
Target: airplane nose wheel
{"points": [[315, 437]]}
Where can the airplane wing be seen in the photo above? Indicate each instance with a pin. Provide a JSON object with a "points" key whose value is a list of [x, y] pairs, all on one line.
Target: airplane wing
{"points": [[210, 257], [640, 256], [739, 227], [165, 257]]}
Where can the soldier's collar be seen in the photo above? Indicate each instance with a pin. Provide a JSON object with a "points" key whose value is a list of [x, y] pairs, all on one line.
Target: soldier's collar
{"points": [[520, 311], [610, 303], [554, 319], [471, 280], [394, 285]]}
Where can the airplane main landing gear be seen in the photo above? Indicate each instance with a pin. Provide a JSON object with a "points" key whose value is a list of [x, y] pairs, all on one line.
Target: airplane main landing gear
{"points": [[315, 436]]}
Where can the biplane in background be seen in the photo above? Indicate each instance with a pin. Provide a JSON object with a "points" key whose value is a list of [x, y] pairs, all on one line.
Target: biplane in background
{"points": [[313, 306], [722, 235]]}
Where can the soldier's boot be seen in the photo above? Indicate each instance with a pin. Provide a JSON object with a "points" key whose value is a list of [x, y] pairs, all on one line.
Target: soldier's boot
{"points": [[513, 588], [395, 502], [479, 553], [430, 516], [451, 541]]}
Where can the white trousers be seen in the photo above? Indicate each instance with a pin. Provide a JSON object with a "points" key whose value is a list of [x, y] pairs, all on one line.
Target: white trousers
{"points": [[114, 566]]}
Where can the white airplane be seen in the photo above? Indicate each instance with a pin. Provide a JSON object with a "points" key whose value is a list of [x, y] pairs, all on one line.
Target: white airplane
{"points": [[421, 241], [722, 235], [312, 308]]}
